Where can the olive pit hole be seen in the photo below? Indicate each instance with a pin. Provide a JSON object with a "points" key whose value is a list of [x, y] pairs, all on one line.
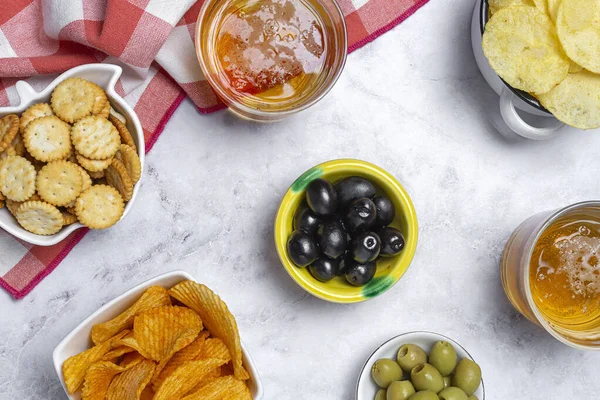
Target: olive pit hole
{"points": [[418, 368]]}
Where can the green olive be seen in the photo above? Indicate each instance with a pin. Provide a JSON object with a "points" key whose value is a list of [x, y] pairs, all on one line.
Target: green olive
{"points": [[467, 376], [400, 390], [411, 355], [473, 397], [424, 395], [452, 393], [385, 371], [447, 381], [426, 377], [443, 357], [380, 394]]}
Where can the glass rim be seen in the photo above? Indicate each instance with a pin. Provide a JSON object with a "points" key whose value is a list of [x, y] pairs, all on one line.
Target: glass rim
{"points": [[549, 220], [240, 107]]}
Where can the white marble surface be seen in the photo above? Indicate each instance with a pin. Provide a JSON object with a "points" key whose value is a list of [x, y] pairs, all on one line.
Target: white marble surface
{"points": [[412, 102]]}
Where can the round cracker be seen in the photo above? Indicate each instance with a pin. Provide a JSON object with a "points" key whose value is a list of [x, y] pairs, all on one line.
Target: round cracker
{"points": [[39, 218], [496, 5], [93, 165], [576, 100], [9, 127], [59, 182], [578, 27], [99, 207], [118, 177], [130, 159], [105, 112], [48, 138], [13, 206], [17, 178], [18, 145], [35, 111], [521, 45], [100, 100], [123, 131], [95, 137], [73, 99], [68, 218], [96, 175]]}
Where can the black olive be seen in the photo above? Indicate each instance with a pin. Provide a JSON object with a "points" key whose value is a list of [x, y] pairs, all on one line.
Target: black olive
{"points": [[352, 188], [361, 274], [306, 220], [366, 247], [360, 215], [392, 241], [324, 269], [346, 262], [385, 211], [302, 249], [332, 239], [321, 197]]}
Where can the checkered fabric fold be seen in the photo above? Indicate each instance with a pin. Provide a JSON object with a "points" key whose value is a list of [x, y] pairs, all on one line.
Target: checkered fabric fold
{"points": [[153, 41]]}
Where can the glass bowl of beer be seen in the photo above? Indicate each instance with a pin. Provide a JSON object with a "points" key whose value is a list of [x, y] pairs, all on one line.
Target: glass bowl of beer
{"points": [[550, 271], [268, 59]]}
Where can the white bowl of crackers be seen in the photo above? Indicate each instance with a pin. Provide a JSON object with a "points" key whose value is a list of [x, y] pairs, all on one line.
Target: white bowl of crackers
{"points": [[71, 156], [167, 338]]}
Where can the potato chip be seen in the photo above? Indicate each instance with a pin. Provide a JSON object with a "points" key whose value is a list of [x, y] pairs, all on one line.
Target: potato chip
{"points": [[576, 100], [211, 376], [215, 316], [147, 394], [542, 5], [552, 8], [160, 332], [131, 359], [118, 352], [188, 353], [75, 367], [496, 5], [227, 387], [214, 348], [130, 384], [98, 378], [521, 45], [578, 27], [184, 378], [153, 297]]}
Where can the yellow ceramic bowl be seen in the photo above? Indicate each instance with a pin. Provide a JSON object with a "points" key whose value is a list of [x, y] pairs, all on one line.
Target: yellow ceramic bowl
{"points": [[389, 270]]}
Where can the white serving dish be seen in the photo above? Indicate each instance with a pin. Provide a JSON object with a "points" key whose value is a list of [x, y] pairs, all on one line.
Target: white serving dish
{"points": [[510, 99], [79, 339], [366, 388], [106, 76]]}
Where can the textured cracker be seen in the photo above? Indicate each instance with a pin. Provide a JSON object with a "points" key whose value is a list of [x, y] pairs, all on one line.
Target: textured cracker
{"points": [[95, 137], [117, 115], [48, 138], [18, 145], [13, 206], [59, 182], [7, 153], [39, 218], [73, 99], [9, 127], [68, 218], [99, 207], [93, 165], [96, 175], [118, 177], [17, 178], [130, 159], [105, 112], [100, 100], [35, 111], [123, 131]]}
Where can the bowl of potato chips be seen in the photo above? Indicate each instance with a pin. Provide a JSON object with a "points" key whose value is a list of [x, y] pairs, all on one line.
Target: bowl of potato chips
{"points": [[71, 156], [541, 57], [167, 338]]}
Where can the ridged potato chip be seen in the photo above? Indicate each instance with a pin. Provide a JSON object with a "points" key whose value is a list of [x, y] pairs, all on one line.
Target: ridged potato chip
{"points": [[98, 378], [75, 368], [186, 377], [225, 388], [147, 394], [155, 296], [188, 353], [216, 317], [496, 5], [117, 352], [129, 384], [578, 27], [521, 45], [214, 348], [160, 332], [576, 100], [131, 359]]}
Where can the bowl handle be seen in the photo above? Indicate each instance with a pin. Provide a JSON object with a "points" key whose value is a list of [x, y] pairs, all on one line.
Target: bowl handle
{"points": [[519, 126], [25, 91]]}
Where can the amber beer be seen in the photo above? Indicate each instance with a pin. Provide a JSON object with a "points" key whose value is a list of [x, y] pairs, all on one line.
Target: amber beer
{"points": [[551, 273]]}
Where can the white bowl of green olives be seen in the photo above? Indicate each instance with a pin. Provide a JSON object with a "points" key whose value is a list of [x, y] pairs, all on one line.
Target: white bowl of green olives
{"points": [[420, 366]]}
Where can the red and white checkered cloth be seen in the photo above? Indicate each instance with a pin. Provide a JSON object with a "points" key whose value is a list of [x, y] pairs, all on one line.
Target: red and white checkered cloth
{"points": [[153, 41]]}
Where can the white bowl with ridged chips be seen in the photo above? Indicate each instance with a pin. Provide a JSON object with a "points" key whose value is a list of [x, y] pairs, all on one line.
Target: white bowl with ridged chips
{"points": [[79, 339], [104, 75]]}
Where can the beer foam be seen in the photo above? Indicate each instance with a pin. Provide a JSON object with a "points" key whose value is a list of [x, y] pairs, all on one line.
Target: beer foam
{"points": [[580, 261]]}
